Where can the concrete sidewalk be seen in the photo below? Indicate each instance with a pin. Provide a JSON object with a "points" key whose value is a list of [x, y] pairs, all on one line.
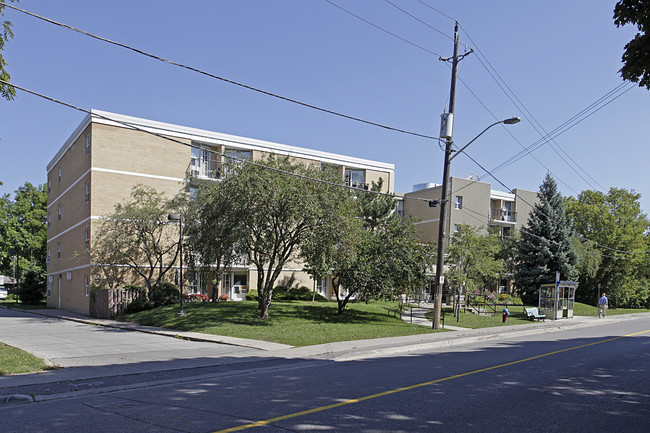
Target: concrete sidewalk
{"points": [[106, 355]]}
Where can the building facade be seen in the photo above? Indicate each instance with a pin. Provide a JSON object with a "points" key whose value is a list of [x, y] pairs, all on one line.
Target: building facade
{"points": [[471, 203], [108, 154]]}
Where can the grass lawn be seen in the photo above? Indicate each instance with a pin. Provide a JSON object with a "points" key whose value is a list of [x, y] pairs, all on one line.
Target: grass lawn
{"points": [[297, 323], [590, 310], [13, 361], [11, 303], [474, 321]]}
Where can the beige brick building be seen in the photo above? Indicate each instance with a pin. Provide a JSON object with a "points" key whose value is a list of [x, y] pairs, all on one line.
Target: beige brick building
{"points": [[104, 158], [472, 203]]}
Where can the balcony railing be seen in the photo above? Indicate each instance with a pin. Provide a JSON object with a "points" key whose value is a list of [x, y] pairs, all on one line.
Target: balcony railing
{"points": [[358, 185], [503, 215]]}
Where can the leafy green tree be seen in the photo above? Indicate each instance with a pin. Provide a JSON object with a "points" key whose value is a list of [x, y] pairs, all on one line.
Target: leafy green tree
{"points": [[472, 258], [545, 246], [32, 289], [636, 58], [276, 212], [7, 91], [23, 229], [376, 253], [137, 235], [615, 222], [212, 229]]}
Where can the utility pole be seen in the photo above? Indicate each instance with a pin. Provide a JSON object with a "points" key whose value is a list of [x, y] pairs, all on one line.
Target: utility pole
{"points": [[447, 124]]}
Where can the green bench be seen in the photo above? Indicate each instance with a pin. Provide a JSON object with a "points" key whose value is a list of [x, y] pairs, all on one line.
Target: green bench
{"points": [[533, 313]]}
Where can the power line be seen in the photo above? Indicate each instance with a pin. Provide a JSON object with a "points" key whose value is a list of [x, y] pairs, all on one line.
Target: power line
{"points": [[575, 120], [245, 86], [382, 29], [418, 19], [440, 12], [191, 145]]}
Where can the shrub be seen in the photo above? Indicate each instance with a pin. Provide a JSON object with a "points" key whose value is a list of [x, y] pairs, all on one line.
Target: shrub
{"points": [[295, 294], [223, 297], [137, 305], [164, 294], [32, 290], [251, 295]]}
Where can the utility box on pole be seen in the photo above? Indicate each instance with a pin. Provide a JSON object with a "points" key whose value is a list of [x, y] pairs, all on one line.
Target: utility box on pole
{"points": [[447, 125]]}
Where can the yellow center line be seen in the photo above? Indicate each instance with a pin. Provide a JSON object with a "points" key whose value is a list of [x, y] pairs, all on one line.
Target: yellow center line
{"points": [[419, 385]]}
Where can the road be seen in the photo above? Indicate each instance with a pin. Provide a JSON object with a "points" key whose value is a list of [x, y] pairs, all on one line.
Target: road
{"points": [[582, 379]]}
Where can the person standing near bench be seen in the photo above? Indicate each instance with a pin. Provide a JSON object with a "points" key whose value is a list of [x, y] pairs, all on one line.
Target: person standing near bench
{"points": [[602, 306]]}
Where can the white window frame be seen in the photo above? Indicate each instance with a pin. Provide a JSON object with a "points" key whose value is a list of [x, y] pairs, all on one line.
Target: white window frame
{"points": [[458, 204], [59, 212], [87, 238], [86, 284], [59, 174], [58, 250]]}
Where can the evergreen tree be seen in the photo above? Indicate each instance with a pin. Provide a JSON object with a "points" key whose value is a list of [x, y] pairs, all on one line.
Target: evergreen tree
{"points": [[545, 245]]}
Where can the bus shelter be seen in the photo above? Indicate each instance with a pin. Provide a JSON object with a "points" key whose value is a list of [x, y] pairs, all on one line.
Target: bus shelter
{"points": [[556, 300]]}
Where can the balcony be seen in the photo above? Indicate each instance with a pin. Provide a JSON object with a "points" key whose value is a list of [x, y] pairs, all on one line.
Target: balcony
{"points": [[503, 216], [357, 185], [202, 170]]}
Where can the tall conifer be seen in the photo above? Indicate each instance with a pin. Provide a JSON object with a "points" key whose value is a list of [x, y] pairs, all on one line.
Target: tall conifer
{"points": [[545, 245]]}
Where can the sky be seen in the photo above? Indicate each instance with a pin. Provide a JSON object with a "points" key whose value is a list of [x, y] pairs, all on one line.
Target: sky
{"points": [[545, 62]]}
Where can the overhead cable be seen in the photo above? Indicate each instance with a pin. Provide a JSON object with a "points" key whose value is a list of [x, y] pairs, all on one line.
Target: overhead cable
{"points": [[245, 86]]}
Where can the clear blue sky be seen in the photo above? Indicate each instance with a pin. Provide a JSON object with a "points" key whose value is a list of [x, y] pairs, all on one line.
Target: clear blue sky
{"points": [[557, 57]]}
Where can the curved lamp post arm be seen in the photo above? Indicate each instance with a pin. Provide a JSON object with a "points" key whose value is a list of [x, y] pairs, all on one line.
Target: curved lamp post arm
{"points": [[506, 121]]}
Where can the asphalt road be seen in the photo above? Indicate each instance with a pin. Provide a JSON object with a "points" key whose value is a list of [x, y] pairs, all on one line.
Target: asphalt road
{"points": [[584, 379]]}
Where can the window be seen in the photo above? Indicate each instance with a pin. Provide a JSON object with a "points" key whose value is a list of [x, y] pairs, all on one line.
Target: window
{"points": [[239, 155], [87, 237], [88, 145], [58, 249], [459, 202], [48, 221], [59, 174], [49, 184], [400, 208], [86, 281], [59, 208], [321, 286], [87, 192], [355, 179], [456, 228], [505, 232], [240, 283], [48, 254]]}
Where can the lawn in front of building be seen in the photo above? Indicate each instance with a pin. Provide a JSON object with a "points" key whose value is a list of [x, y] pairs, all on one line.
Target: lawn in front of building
{"points": [[297, 323]]}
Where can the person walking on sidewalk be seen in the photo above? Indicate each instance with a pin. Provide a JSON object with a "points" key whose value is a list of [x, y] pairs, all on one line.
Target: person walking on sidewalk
{"points": [[602, 306]]}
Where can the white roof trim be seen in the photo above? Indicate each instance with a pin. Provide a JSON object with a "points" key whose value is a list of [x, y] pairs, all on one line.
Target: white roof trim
{"points": [[500, 195], [216, 138]]}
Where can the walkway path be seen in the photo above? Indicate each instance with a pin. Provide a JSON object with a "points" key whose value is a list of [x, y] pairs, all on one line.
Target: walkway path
{"points": [[417, 316]]}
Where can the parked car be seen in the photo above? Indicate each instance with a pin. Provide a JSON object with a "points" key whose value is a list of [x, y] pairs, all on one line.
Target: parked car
{"points": [[3, 293]]}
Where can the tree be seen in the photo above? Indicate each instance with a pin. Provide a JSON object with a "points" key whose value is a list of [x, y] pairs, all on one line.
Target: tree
{"points": [[276, 212], [137, 235], [636, 58], [23, 229], [615, 223], [213, 228], [374, 253], [7, 91], [545, 246], [472, 258]]}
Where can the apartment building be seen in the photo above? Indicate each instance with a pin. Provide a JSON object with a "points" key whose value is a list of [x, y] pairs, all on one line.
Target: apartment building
{"points": [[107, 154], [472, 203]]}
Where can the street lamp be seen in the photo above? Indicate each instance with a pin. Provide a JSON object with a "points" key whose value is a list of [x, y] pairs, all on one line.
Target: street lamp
{"points": [[179, 218], [447, 126]]}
